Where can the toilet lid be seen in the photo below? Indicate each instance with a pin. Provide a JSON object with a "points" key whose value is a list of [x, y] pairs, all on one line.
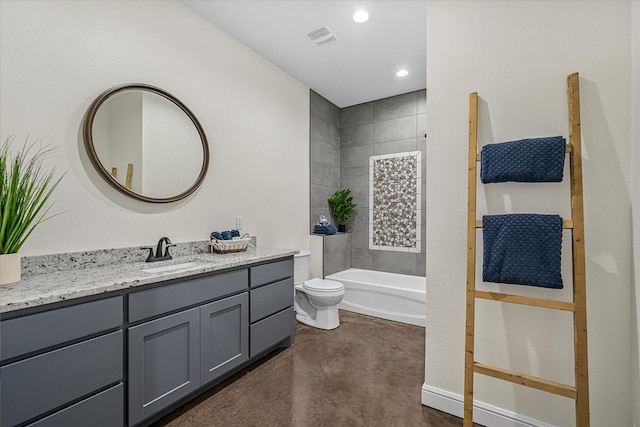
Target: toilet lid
{"points": [[323, 285]]}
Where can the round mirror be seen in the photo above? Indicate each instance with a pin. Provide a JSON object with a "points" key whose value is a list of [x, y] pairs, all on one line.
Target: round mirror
{"points": [[146, 143]]}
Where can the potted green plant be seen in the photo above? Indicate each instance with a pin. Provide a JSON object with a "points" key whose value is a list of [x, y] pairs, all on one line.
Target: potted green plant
{"points": [[342, 206], [25, 188]]}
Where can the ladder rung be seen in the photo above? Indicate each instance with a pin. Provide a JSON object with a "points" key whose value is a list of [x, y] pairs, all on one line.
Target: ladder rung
{"points": [[526, 380], [569, 149], [519, 299], [566, 223]]}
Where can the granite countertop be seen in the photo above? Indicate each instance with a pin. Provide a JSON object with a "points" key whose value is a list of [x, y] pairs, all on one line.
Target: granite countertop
{"points": [[58, 286]]}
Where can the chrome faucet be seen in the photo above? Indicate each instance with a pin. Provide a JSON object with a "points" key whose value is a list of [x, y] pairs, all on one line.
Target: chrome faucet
{"points": [[159, 256]]}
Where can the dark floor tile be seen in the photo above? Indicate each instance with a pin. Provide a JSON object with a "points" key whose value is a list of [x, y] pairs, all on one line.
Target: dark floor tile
{"points": [[368, 372]]}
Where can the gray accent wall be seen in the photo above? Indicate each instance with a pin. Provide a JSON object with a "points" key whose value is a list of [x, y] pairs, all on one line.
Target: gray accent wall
{"points": [[337, 253], [390, 125], [342, 140], [325, 155]]}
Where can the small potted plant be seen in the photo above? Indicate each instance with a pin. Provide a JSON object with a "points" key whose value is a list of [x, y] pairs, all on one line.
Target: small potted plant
{"points": [[342, 206], [25, 187]]}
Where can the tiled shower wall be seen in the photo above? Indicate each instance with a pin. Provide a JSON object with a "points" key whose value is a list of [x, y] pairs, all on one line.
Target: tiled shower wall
{"points": [[325, 179], [325, 155], [342, 140], [390, 125]]}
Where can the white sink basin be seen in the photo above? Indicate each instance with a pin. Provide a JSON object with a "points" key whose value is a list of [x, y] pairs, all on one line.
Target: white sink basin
{"points": [[166, 268]]}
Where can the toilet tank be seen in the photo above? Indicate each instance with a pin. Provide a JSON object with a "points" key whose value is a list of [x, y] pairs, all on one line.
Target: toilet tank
{"points": [[301, 267]]}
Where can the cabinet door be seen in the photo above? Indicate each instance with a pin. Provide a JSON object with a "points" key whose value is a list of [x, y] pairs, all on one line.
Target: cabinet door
{"points": [[224, 336], [164, 357]]}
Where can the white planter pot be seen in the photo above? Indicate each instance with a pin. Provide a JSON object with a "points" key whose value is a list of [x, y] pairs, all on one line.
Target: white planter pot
{"points": [[10, 268]]}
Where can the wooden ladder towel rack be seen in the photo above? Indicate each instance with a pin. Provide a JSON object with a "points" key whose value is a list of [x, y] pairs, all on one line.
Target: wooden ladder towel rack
{"points": [[580, 391]]}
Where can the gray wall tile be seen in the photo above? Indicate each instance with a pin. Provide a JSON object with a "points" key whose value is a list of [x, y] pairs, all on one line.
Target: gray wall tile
{"points": [[324, 155], [325, 109], [395, 146], [421, 101], [339, 242], [361, 258], [360, 219], [360, 238], [421, 128], [361, 198], [317, 211], [323, 152], [324, 131], [395, 129], [421, 265], [422, 146], [394, 262], [394, 107], [336, 261], [356, 135], [355, 156], [357, 176], [319, 196], [356, 115], [323, 174]]}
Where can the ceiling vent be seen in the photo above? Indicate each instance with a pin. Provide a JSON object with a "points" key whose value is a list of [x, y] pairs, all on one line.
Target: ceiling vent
{"points": [[321, 35]]}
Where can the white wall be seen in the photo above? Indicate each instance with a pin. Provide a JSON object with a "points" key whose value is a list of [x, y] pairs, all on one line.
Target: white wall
{"points": [[517, 55], [58, 56]]}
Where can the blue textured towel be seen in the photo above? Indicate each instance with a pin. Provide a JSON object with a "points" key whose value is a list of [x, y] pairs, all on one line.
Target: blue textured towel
{"points": [[522, 249], [321, 229], [526, 160], [224, 235]]}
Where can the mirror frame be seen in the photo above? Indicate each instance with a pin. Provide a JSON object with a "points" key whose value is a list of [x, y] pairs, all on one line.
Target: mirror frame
{"points": [[93, 156]]}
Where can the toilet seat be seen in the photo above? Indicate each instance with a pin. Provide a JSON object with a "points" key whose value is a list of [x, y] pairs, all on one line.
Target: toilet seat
{"points": [[322, 285]]}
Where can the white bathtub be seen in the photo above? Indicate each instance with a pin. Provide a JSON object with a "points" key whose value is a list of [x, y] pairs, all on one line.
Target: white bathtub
{"points": [[386, 295]]}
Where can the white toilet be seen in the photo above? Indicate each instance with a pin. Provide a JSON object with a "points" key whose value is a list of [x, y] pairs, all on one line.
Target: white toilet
{"points": [[316, 300]]}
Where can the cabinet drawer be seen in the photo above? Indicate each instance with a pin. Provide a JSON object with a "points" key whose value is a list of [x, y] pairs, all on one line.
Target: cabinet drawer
{"points": [[105, 409], [153, 302], [270, 331], [50, 380], [270, 299], [38, 331], [271, 272]]}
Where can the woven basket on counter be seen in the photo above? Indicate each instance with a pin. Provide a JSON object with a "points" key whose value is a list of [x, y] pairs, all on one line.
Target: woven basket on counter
{"points": [[230, 246]]}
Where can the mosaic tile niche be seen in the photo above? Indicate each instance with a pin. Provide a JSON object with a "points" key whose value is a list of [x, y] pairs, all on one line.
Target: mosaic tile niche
{"points": [[394, 202]]}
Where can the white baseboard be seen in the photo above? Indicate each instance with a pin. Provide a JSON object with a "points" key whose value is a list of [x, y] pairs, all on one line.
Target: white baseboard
{"points": [[483, 413]]}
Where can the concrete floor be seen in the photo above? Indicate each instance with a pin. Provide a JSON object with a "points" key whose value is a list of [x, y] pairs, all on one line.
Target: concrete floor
{"points": [[368, 372]]}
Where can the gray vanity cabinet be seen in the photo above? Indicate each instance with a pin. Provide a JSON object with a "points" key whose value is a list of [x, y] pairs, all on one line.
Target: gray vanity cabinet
{"points": [[126, 358], [62, 365], [173, 356], [271, 314]]}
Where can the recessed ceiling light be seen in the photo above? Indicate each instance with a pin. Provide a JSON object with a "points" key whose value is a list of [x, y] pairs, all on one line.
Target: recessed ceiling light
{"points": [[361, 16], [402, 73]]}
